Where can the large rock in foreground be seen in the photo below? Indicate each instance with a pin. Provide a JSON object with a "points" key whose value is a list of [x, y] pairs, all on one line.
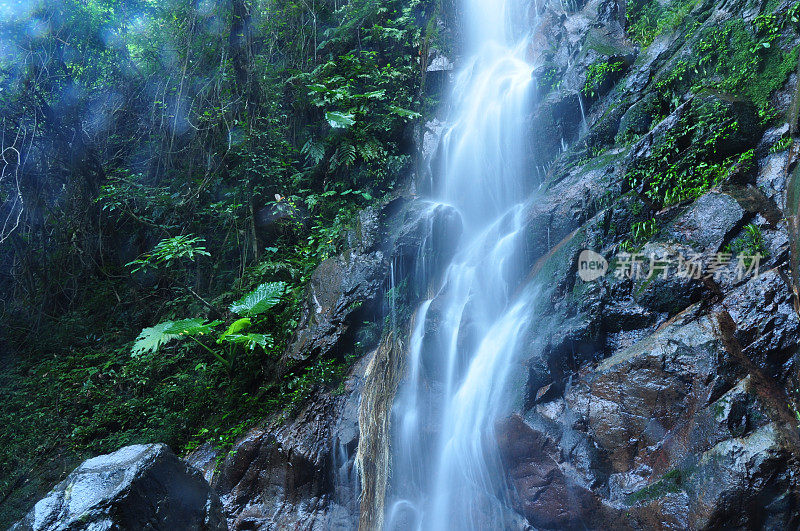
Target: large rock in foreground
{"points": [[295, 474], [137, 487]]}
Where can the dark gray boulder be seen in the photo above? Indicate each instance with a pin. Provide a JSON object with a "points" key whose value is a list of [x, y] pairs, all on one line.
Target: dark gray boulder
{"points": [[143, 486], [663, 289], [767, 325], [707, 223], [555, 122], [339, 288]]}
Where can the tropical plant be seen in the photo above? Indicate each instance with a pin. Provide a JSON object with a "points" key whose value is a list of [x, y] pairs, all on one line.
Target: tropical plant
{"points": [[597, 74], [260, 300], [170, 251]]}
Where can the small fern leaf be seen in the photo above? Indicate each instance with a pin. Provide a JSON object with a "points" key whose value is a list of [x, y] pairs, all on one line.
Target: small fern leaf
{"points": [[314, 151], [259, 300], [153, 338], [348, 155]]}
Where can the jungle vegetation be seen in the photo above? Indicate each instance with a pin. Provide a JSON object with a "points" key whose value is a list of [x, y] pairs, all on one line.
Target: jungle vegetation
{"points": [[171, 172]]}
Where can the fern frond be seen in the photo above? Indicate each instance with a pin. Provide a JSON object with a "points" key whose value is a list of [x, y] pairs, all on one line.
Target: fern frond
{"points": [[260, 299], [370, 150], [314, 151], [346, 155]]}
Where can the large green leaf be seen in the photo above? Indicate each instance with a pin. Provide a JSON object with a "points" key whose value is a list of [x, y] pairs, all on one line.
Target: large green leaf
{"points": [[153, 338], [259, 300], [235, 327], [250, 341], [340, 120], [192, 327], [404, 113]]}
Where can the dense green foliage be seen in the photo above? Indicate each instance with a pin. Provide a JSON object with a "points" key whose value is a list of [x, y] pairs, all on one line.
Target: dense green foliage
{"points": [[739, 62], [598, 74], [671, 174], [179, 169]]}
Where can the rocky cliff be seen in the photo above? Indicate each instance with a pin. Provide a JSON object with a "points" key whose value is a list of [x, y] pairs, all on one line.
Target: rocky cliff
{"points": [[660, 399], [656, 400]]}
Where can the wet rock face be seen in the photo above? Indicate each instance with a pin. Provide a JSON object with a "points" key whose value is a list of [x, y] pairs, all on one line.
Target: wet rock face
{"points": [[338, 290], [136, 487], [767, 325], [341, 288], [347, 289], [708, 222], [543, 492], [678, 429], [426, 241], [293, 475], [555, 122], [654, 403], [638, 118]]}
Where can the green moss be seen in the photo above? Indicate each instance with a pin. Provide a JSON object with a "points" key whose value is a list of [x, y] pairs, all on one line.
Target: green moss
{"points": [[670, 482], [601, 159], [602, 45], [638, 118]]}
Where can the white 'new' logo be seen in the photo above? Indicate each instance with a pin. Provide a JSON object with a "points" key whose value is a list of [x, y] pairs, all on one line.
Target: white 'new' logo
{"points": [[591, 265]]}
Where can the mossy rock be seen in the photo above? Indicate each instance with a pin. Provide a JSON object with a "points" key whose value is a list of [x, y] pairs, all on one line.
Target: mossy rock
{"points": [[603, 132], [742, 114], [639, 117], [672, 481]]}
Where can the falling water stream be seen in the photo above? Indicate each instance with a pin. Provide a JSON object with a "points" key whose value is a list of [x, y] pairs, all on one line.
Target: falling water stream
{"points": [[446, 471]]}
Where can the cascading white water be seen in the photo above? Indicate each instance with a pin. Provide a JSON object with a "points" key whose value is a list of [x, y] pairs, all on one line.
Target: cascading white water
{"points": [[446, 470]]}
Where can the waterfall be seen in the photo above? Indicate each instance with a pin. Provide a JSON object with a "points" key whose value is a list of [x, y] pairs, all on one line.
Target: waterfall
{"points": [[446, 471]]}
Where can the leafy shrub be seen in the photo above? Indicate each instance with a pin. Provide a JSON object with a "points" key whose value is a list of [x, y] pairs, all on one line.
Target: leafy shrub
{"points": [[597, 74], [260, 300], [170, 251], [684, 161]]}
